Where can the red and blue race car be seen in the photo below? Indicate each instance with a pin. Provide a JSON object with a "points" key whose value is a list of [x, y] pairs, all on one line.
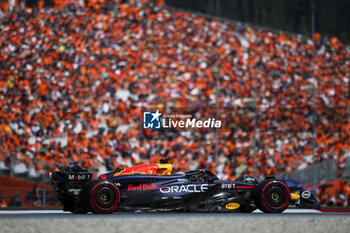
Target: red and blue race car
{"points": [[153, 187]]}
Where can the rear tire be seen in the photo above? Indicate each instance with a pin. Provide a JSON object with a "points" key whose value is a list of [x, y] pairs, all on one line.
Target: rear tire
{"points": [[102, 197], [272, 196]]}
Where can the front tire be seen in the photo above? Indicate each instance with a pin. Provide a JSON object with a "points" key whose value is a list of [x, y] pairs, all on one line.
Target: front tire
{"points": [[102, 197], [272, 196]]}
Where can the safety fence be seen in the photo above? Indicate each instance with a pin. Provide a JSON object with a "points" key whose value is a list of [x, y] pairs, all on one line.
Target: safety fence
{"points": [[18, 192], [320, 173]]}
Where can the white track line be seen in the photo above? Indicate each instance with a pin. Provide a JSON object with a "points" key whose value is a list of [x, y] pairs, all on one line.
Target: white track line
{"points": [[296, 211], [33, 212]]}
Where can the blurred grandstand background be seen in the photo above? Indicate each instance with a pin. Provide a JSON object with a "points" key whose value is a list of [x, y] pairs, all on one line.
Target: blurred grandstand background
{"points": [[75, 77]]}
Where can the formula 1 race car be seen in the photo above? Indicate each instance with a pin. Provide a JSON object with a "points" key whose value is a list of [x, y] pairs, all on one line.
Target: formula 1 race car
{"points": [[153, 187]]}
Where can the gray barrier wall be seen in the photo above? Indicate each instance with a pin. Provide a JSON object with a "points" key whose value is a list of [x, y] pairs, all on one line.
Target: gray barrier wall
{"points": [[319, 173]]}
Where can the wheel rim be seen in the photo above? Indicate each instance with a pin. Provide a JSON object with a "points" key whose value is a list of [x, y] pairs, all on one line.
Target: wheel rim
{"points": [[105, 197], [276, 196]]}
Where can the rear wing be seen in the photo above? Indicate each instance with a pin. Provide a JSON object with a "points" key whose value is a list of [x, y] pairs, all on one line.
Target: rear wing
{"points": [[71, 177]]}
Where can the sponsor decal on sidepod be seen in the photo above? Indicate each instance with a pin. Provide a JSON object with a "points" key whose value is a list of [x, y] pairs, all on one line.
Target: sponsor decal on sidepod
{"points": [[142, 187], [191, 188]]}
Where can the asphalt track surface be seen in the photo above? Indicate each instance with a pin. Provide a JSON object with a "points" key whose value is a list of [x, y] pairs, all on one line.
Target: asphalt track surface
{"points": [[292, 220]]}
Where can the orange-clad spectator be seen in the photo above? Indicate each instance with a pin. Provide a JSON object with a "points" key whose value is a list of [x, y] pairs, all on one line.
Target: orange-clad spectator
{"points": [[123, 8], [159, 2], [3, 202], [317, 37], [40, 5], [4, 6]]}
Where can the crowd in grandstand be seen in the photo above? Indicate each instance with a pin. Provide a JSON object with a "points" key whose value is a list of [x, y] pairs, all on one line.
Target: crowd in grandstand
{"points": [[83, 73]]}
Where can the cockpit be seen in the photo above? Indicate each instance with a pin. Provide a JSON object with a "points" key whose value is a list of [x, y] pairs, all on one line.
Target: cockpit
{"points": [[202, 176]]}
